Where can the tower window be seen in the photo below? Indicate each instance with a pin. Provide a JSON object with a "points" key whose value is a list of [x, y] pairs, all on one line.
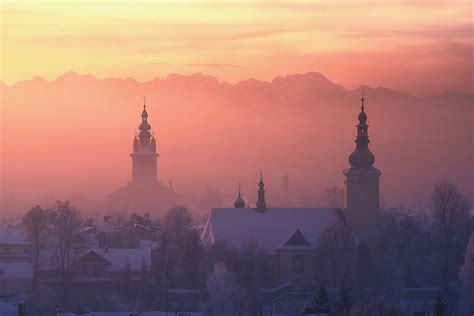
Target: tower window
{"points": [[298, 265]]}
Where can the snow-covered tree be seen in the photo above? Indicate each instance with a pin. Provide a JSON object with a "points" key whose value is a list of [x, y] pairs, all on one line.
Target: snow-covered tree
{"points": [[225, 294]]}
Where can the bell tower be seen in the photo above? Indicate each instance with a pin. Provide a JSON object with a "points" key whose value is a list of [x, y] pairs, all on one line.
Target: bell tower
{"points": [[144, 155], [362, 197]]}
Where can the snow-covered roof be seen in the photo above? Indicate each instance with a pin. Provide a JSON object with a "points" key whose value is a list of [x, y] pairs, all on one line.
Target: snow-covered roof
{"points": [[15, 270], [8, 309], [118, 257], [271, 229], [13, 236]]}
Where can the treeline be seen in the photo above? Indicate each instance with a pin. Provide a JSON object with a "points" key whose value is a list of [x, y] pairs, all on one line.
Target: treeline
{"points": [[415, 250]]}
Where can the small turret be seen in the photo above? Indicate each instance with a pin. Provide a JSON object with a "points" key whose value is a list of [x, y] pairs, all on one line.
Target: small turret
{"points": [[239, 202], [135, 143], [261, 204], [153, 143]]}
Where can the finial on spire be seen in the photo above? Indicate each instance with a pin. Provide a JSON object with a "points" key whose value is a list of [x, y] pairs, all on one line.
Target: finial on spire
{"points": [[144, 101], [362, 99], [362, 157]]}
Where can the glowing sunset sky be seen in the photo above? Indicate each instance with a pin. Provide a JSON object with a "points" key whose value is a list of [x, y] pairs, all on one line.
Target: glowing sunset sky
{"points": [[422, 47]]}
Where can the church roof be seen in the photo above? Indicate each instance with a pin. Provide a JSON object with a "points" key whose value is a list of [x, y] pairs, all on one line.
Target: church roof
{"points": [[154, 198], [271, 230]]}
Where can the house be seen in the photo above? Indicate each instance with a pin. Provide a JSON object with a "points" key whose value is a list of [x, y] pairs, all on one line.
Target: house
{"points": [[14, 245], [128, 236]]}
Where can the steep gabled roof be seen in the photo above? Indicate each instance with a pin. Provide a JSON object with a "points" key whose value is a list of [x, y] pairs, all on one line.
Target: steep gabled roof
{"points": [[270, 229], [297, 239]]}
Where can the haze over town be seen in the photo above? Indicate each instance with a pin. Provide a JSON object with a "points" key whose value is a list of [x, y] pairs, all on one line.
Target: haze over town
{"points": [[233, 158]]}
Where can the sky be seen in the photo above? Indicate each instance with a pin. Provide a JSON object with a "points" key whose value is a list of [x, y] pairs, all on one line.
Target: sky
{"points": [[422, 47]]}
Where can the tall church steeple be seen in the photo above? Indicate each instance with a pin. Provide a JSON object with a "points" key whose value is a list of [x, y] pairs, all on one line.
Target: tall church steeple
{"points": [[261, 204], [362, 197], [144, 156], [362, 157]]}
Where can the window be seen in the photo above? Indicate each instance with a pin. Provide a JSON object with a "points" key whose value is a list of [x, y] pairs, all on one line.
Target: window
{"points": [[298, 263]]}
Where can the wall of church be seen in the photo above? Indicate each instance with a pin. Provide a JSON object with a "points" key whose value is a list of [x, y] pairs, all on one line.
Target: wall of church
{"points": [[362, 199], [299, 263]]}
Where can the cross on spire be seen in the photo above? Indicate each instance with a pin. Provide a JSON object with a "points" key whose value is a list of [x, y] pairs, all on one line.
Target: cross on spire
{"points": [[362, 99], [144, 102]]}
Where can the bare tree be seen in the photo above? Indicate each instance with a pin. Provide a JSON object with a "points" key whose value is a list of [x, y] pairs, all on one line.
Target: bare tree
{"points": [[452, 225], [66, 224], [36, 222]]}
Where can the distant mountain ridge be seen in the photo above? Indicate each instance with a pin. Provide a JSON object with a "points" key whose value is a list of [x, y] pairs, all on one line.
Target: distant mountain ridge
{"points": [[310, 79], [79, 127]]}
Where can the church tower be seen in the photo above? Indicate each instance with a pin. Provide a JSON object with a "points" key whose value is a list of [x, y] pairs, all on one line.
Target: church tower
{"points": [[362, 198], [144, 156]]}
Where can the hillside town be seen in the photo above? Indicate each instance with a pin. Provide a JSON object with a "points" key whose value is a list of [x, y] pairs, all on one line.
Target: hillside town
{"points": [[145, 254]]}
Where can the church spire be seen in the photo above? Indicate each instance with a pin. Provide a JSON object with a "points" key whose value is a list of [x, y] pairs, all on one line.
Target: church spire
{"points": [[261, 204], [362, 157], [239, 202], [144, 136]]}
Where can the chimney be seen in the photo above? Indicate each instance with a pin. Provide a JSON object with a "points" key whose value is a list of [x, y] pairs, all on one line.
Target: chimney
{"points": [[147, 214]]}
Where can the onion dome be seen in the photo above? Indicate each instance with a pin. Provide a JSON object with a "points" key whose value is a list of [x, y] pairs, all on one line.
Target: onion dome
{"points": [[362, 157], [239, 202]]}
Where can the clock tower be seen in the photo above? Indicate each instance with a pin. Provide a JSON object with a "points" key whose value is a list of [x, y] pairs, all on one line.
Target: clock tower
{"points": [[362, 197]]}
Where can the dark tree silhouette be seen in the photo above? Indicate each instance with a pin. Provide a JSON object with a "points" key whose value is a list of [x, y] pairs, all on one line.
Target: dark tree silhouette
{"points": [[36, 222], [440, 307], [452, 226], [345, 301], [66, 223]]}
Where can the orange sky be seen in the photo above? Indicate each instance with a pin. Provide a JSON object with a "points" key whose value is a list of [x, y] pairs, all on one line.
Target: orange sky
{"points": [[423, 47]]}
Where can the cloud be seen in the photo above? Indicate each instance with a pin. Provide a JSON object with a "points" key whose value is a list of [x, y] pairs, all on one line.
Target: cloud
{"points": [[214, 65], [439, 31]]}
